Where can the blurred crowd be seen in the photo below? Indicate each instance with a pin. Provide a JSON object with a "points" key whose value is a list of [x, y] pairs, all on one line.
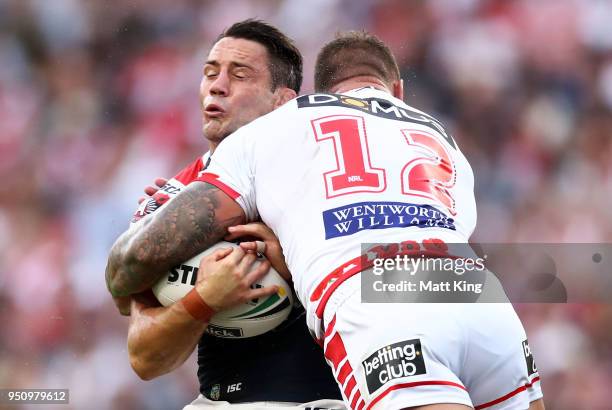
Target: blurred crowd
{"points": [[98, 98]]}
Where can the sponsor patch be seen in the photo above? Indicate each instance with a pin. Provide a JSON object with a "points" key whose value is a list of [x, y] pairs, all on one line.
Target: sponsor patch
{"points": [[531, 366], [349, 219], [395, 361]]}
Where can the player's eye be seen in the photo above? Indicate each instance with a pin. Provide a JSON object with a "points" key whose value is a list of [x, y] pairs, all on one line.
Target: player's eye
{"points": [[240, 74], [210, 73]]}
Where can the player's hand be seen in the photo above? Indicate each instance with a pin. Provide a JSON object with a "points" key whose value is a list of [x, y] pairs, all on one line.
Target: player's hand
{"points": [[271, 246], [151, 190], [225, 278], [143, 300]]}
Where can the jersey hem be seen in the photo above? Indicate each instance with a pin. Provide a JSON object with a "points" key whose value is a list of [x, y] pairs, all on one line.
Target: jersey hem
{"points": [[509, 395]]}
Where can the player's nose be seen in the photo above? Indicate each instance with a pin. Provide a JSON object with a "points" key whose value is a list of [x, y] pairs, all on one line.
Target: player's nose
{"points": [[221, 85]]}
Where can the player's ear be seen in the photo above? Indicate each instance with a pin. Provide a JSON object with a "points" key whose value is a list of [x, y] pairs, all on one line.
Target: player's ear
{"points": [[283, 94], [398, 89]]}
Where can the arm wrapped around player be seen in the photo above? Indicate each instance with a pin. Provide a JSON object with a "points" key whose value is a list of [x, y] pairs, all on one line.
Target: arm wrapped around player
{"points": [[268, 244]]}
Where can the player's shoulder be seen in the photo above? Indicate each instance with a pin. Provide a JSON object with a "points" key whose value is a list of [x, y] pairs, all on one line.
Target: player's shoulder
{"points": [[276, 121], [193, 170]]}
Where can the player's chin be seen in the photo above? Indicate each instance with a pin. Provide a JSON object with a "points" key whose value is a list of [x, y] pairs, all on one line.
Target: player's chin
{"points": [[214, 130]]}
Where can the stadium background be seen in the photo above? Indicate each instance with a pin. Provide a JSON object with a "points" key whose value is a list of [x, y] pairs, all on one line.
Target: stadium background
{"points": [[97, 98]]}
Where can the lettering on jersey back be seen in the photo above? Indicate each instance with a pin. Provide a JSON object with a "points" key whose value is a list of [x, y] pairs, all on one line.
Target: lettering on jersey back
{"points": [[352, 218], [378, 107]]}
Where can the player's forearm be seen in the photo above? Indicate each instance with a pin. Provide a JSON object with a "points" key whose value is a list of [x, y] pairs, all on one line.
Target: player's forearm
{"points": [[190, 223], [160, 339]]}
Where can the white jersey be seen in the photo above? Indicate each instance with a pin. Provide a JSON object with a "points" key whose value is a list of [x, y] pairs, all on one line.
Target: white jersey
{"points": [[329, 172]]}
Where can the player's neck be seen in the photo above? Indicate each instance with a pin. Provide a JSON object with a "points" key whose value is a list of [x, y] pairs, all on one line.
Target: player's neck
{"points": [[212, 146], [359, 82]]}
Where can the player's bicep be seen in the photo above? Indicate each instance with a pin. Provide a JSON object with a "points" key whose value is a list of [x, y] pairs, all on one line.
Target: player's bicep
{"points": [[194, 220], [239, 190]]}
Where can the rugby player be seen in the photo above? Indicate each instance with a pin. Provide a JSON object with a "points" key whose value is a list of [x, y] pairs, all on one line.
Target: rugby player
{"points": [[349, 165], [251, 70]]}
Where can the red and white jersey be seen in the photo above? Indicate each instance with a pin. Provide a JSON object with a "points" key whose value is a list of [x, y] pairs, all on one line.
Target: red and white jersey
{"points": [[172, 187], [329, 172]]}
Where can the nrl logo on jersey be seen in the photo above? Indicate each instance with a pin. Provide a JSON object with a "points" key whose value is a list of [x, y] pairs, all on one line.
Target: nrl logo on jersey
{"points": [[215, 392], [379, 107]]}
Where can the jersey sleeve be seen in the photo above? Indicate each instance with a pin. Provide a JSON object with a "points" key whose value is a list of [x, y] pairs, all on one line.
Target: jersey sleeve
{"points": [[170, 189], [231, 170]]}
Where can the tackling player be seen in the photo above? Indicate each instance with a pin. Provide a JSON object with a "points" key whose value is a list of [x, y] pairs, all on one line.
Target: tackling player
{"points": [[354, 164], [251, 70]]}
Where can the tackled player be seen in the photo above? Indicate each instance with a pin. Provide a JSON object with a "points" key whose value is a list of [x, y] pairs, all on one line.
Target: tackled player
{"points": [[251, 70]]}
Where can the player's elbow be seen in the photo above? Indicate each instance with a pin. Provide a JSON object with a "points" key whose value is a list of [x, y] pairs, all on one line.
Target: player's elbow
{"points": [[143, 362], [144, 369], [117, 274], [112, 278], [125, 263]]}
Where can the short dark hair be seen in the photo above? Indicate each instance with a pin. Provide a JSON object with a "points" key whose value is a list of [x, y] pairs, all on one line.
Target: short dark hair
{"points": [[351, 54], [285, 60]]}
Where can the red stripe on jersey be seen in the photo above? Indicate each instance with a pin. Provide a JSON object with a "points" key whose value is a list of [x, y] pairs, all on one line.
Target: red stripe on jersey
{"points": [[335, 351], [326, 287], [509, 395], [348, 389], [344, 372], [355, 399], [330, 327], [361, 405], [340, 280], [190, 172], [213, 179], [413, 384]]}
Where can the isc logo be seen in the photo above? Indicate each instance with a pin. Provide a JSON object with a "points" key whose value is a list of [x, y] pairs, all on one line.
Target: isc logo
{"points": [[234, 387]]}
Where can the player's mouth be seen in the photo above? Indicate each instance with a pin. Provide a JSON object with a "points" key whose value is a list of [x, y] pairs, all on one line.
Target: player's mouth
{"points": [[213, 111]]}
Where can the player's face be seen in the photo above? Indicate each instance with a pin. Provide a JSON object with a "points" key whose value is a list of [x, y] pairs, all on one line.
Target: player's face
{"points": [[235, 87]]}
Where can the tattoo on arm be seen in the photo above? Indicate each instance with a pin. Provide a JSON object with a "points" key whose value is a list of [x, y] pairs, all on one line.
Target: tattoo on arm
{"points": [[197, 218]]}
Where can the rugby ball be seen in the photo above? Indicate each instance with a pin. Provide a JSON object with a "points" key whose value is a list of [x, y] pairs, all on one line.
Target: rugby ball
{"points": [[249, 319]]}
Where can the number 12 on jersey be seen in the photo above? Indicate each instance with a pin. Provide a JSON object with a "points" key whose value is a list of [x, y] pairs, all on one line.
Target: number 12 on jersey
{"points": [[430, 174]]}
